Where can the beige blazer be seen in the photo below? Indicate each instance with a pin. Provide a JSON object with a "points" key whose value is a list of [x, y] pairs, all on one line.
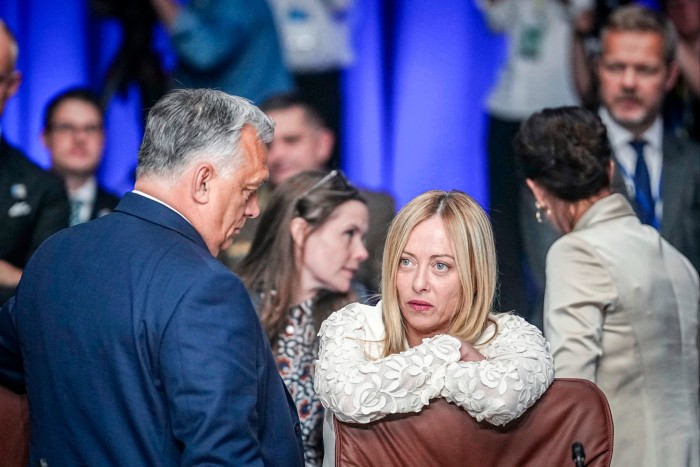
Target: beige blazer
{"points": [[621, 309]]}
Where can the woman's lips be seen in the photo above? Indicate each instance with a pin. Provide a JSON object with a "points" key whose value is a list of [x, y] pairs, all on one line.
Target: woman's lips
{"points": [[419, 305]]}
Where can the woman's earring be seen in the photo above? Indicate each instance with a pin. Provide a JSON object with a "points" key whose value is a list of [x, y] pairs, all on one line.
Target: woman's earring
{"points": [[538, 213]]}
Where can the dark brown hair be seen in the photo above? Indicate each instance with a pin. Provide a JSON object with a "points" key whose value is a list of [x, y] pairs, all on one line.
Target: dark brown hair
{"points": [[566, 151], [269, 270]]}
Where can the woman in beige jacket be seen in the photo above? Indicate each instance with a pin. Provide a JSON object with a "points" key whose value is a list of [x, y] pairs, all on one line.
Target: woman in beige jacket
{"points": [[621, 304]]}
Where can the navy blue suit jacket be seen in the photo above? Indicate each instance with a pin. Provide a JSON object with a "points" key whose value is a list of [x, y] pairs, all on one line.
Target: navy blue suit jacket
{"points": [[140, 348]]}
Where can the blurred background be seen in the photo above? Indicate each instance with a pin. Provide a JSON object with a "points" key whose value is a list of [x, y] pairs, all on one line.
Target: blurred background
{"points": [[413, 97]]}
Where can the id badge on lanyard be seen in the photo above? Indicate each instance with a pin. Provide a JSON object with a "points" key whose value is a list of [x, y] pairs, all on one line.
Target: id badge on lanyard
{"points": [[532, 33]]}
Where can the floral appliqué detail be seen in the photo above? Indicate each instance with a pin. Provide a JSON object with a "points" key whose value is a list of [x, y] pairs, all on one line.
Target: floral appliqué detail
{"points": [[359, 387]]}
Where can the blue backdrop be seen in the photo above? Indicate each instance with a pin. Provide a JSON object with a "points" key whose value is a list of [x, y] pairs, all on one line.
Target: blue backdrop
{"points": [[414, 97]]}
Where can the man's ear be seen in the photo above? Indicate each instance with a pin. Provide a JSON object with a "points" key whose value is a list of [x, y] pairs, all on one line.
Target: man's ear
{"points": [[202, 177], [672, 77], [326, 140], [15, 80], [298, 229], [44, 135], [596, 63]]}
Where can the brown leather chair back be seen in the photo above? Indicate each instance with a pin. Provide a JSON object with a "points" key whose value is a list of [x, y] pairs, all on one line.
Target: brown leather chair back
{"points": [[14, 429], [443, 434]]}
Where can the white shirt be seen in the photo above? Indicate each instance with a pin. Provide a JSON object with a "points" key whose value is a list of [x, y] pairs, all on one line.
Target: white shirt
{"points": [[86, 195], [620, 138], [315, 33], [527, 84]]}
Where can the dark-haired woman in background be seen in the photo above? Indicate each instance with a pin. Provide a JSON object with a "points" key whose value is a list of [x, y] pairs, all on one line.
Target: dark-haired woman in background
{"points": [[621, 304], [299, 269]]}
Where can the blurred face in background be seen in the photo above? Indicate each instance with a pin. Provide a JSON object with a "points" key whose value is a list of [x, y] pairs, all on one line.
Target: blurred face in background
{"points": [[329, 256], [298, 145], [685, 15], [634, 77], [427, 281], [75, 138]]}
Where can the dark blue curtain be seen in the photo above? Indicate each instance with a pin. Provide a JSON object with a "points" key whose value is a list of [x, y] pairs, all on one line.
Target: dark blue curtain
{"points": [[62, 44], [414, 115]]}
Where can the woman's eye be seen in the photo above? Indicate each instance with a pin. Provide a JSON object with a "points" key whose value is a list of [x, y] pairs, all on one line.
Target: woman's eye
{"points": [[404, 262], [442, 267]]}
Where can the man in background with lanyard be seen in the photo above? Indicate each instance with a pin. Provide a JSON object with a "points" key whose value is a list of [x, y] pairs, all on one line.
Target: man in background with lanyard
{"points": [[659, 172]]}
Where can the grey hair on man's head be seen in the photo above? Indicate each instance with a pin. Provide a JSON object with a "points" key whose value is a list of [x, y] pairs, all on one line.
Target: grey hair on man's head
{"points": [[638, 18], [188, 126]]}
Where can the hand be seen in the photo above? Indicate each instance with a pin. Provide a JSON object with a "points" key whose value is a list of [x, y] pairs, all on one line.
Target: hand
{"points": [[9, 274], [584, 22], [166, 10], [469, 353]]}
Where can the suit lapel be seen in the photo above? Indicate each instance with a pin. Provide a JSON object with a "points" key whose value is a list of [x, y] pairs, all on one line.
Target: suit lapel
{"points": [[618, 182], [672, 176], [672, 173]]}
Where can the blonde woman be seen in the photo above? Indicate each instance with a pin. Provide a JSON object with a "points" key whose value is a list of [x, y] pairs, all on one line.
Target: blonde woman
{"points": [[434, 333]]}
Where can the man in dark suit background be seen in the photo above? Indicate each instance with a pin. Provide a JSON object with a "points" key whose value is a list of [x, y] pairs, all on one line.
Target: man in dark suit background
{"points": [[302, 142], [33, 203], [657, 170], [74, 135], [151, 353]]}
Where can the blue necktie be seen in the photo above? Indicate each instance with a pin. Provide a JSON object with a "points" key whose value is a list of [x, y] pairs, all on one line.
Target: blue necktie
{"points": [[645, 201]]}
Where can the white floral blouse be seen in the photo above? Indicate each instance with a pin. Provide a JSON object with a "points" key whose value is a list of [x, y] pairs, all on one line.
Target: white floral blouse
{"points": [[357, 386]]}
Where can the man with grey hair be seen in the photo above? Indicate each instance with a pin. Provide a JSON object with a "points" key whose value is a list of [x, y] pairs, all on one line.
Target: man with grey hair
{"points": [[151, 353]]}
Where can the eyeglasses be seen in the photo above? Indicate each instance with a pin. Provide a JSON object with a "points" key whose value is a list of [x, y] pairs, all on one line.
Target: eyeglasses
{"points": [[319, 183], [66, 129], [325, 179], [337, 183]]}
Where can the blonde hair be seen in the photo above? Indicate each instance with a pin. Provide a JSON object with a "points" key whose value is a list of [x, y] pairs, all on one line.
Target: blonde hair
{"points": [[471, 238]]}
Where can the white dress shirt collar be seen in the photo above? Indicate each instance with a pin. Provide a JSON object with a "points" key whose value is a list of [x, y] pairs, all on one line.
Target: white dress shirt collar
{"points": [[620, 136], [141, 193]]}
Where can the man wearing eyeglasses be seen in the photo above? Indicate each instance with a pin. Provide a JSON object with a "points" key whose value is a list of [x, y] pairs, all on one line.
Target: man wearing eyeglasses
{"points": [[33, 203], [74, 135]]}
